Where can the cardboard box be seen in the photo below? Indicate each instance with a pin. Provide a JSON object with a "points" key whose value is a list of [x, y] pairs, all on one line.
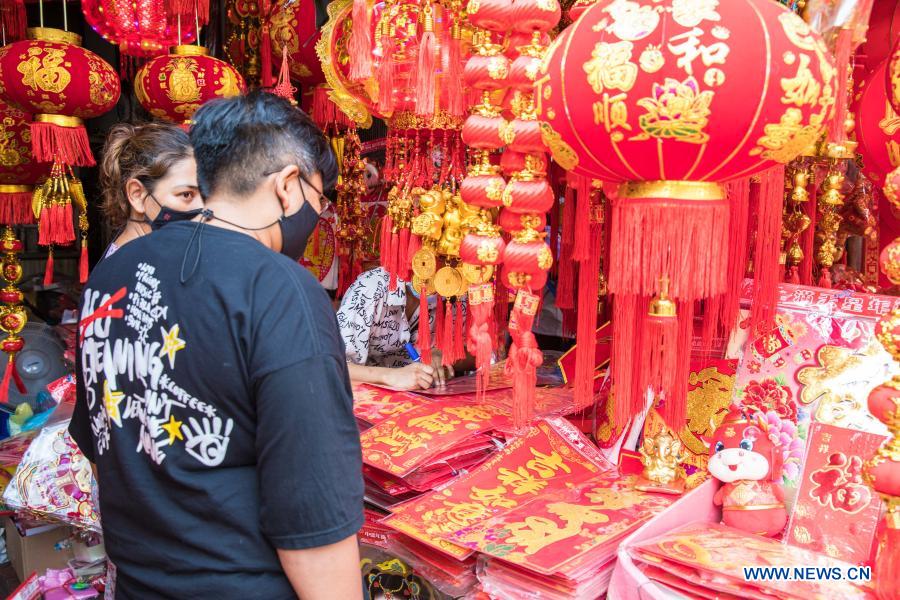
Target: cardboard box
{"points": [[36, 551]]}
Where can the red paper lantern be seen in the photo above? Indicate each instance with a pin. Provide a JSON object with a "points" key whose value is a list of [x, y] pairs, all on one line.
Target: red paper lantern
{"points": [[513, 222], [526, 261], [493, 15], [535, 15], [877, 127], [137, 27], [528, 194], [52, 76], [294, 27], [18, 170], [892, 78], [484, 247], [173, 87]]}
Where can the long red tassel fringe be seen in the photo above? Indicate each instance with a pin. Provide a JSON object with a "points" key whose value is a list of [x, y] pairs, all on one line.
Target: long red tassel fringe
{"points": [[66, 145], [360, 42], [424, 329], [15, 208], [767, 272], [588, 288]]}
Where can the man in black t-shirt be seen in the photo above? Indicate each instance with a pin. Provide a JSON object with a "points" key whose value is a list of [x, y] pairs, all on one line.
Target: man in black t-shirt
{"points": [[213, 391]]}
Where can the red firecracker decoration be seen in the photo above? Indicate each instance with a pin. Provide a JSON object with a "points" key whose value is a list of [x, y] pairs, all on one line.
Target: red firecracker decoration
{"points": [[174, 86], [658, 97]]}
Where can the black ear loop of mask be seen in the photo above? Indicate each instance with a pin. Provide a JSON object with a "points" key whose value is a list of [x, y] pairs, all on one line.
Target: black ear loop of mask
{"points": [[208, 215]]}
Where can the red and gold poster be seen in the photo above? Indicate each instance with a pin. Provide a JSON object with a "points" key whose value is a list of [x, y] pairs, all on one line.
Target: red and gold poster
{"points": [[405, 442], [373, 404], [557, 530], [836, 513], [550, 456]]}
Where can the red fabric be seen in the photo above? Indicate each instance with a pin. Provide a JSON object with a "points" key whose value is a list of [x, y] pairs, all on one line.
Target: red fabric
{"points": [[48, 271], [875, 132], [293, 26], [219, 79], [18, 166], [424, 330]]}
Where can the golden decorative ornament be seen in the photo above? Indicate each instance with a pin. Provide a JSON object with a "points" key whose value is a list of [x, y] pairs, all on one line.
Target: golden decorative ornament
{"points": [[424, 263], [448, 282], [422, 286], [476, 274]]}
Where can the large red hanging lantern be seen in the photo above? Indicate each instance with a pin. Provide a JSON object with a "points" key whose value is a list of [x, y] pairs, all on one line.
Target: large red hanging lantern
{"points": [[877, 126], [294, 27], [174, 86], [670, 98], [19, 173], [137, 27]]}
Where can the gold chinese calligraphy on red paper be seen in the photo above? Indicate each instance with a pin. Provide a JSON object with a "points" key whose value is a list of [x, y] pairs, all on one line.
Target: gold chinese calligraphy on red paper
{"points": [[403, 443], [836, 513], [373, 405], [551, 456]]}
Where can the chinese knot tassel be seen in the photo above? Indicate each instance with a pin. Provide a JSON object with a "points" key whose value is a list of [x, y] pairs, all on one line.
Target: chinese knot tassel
{"points": [[565, 290], [48, 271], [9, 376], [480, 342], [626, 342], [66, 144], [283, 87], [424, 328], [524, 357], [449, 344], [588, 288], [459, 340], [360, 42], [386, 71], [659, 345], [425, 74], [456, 101], [739, 199], [83, 262], [582, 239], [439, 325], [766, 270]]}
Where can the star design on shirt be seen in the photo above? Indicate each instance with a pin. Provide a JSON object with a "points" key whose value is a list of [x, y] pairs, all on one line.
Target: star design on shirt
{"points": [[173, 428], [171, 343], [111, 401]]}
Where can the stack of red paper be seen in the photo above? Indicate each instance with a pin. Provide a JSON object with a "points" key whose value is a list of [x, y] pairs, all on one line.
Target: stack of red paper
{"points": [[711, 560]]}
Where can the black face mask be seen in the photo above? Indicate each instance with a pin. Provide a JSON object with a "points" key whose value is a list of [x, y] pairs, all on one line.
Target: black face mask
{"points": [[169, 215], [296, 229]]}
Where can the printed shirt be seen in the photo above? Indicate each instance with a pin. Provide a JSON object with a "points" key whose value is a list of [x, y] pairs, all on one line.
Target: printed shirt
{"points": [[373, 322], [218, 413]]}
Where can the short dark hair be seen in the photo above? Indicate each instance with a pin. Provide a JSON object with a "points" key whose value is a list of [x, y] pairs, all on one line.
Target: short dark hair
{"points": [[237, 141]]}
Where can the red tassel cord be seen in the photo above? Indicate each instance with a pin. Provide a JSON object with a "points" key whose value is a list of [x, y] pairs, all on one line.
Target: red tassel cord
{"points": [[738, 247], [384, 242], [808, 237], [588, 288], [674, 408], [192, 8], [65, 145], [582, 239], [83, 268], [459, 340], [283, 88], [424, 330], [425, 74], [628, 310], [11, 375], [385, 75], [767, 271], [439, 325], [48, 271], [449, 344], [456, 101], [360, 42], [266, 79], [524, 358], [480, 342], [13, 18], [843, 51], [403, 259]]}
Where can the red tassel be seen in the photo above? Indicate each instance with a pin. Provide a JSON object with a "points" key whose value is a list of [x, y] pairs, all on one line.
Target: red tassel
{"points": [[190, 8], [65, 233], [480, 342], [449, 344], [65, 145], [83, 263], [360, 46], [524, 358], [456, 101], [48, 272], [825, 280], [674, 409], [403, 259], [425, 74], [685, 239], [886, 576], [283, 88], [459, 340], [386, 70], [424, 330], [384, 242], [794, 275], [393, 261], [588, 288], [842, 52], [266, 78], [15, 208], [565, 290], [807, 239], [739, 200], [627, 311], [767, 271], [439, 325], [582, 240], [13, 18]]}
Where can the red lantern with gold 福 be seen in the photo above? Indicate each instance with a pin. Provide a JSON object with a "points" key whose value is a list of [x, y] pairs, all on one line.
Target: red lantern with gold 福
{"points": [[19, 172], [877, 127], [174, 86], [61, 83], [670, 98]]}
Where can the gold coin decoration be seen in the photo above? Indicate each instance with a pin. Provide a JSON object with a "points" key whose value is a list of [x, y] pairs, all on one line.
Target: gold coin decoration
{"points": [[476, 274], [424, 263], [449, 282], [423, 284]]}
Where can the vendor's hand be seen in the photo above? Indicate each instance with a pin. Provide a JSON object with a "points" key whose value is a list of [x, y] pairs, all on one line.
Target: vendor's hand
{"points": [[442, 374], [414, 376]]}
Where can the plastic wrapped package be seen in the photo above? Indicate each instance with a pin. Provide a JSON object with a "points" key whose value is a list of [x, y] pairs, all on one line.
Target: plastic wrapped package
{"points": [[54, 481]]}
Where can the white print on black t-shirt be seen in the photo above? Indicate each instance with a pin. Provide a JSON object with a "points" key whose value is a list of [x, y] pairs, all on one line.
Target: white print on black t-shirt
{"points": [[167, 413]]}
